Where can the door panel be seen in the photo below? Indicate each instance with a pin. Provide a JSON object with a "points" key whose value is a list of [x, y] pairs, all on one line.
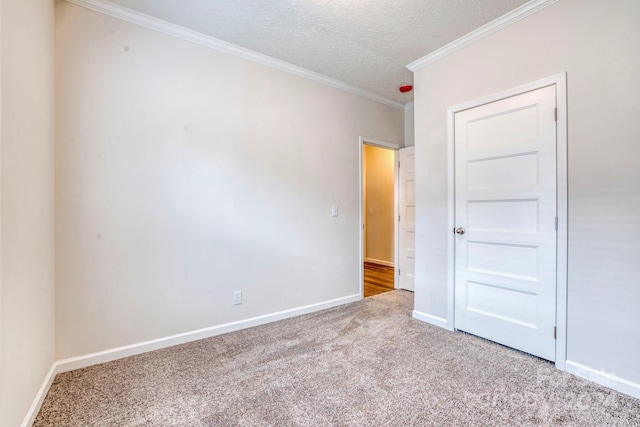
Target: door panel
{"points": [[521, 169], [407, 224], [505, 185]]}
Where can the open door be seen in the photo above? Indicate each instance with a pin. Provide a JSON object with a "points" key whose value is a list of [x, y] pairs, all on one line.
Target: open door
{"points": [[406, 219]]}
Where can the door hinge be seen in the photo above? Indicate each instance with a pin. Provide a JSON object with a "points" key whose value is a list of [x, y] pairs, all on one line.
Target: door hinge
{"points": [[398, 165], [555, 332], [556, 223], [398, 218], [555, 114], [398, 272]]}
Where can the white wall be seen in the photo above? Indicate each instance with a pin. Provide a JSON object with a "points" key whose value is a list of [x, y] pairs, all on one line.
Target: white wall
{"points": [[184, 174], [598, 44], [379, 189], [409, 127], [27, 200]]}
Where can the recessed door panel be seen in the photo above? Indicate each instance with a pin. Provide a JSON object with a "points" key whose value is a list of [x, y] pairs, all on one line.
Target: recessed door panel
{"points": [[411, 192], [507, 216], [507, 260], [518, 170], [410, 245], [411, 215], [503, 303], [503, 128]]}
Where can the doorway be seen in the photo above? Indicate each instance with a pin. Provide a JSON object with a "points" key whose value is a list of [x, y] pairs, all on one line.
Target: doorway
{"points": [[379, 210], [397, 271]]}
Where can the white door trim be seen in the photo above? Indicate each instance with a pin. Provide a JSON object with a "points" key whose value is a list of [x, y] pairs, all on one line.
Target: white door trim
{"points": [[379, 143], [363, 140], [560, 83]]}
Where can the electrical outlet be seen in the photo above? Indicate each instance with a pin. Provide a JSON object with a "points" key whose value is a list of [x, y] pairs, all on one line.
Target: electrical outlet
{"points": [[334, 210], [237, 298]]}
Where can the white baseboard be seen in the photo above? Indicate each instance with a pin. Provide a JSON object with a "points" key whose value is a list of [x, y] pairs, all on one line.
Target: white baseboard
{"points": [[143, 347], [30, 418], [434, 320], [607, 379], [379, 261]]}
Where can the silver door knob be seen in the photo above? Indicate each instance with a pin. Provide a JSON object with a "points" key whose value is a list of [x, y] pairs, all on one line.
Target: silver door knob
{"points": [[460, 230]]}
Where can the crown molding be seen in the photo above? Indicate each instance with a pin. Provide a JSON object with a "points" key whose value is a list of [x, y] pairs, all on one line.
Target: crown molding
{"points": [[480, 33], [174, 30]]}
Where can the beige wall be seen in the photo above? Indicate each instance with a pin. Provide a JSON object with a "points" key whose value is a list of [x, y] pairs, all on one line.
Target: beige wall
{"points": [[184, 174], [27, 200], [379, 203], [597, 43]]}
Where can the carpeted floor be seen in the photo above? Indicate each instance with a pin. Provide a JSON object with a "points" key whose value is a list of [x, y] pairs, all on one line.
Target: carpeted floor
{"points": [[363, 364]]}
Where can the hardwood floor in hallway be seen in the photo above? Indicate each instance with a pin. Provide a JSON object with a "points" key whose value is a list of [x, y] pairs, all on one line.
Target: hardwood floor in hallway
{"points": [[377, 279]]}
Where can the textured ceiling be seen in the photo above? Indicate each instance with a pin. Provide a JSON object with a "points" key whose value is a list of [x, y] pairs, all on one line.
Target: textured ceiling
{"points": [[366, 43]]}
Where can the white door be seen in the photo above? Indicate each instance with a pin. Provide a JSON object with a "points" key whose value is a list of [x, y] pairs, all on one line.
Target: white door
{"points": [[407, 219], [505, 210]]}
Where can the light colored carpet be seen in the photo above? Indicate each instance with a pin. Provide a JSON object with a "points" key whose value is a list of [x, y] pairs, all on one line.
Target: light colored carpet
{"points": [[364, 364]]}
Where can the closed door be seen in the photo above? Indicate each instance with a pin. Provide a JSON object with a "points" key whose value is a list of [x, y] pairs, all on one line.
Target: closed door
{"points": [[505, 210], [407, 219]]}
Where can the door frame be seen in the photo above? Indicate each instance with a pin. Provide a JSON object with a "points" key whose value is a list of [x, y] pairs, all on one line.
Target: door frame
{"points": [[559, 81], [362, 141]]}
